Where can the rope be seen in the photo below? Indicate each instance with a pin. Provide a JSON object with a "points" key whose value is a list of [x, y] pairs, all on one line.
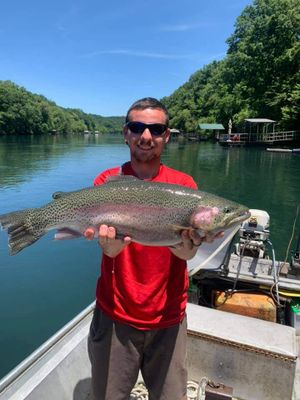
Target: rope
{"points": [[195, 391], [139, 392]]}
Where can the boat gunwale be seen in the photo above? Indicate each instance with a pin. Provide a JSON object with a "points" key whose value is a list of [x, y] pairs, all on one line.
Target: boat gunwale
{"points": [[245, 347], [41, 351]]}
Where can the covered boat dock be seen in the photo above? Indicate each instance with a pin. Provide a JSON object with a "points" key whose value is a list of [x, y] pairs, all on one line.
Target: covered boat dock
{"points": [[259, 131]]}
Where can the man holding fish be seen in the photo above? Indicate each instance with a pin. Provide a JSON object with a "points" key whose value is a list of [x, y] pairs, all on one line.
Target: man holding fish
{"points": [[149, 219], [139, 321]]}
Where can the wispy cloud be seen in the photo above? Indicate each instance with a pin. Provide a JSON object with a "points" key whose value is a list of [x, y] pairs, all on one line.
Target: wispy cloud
{"points": [[61, 28], [184, 27], [142, 54], [66, 19]]}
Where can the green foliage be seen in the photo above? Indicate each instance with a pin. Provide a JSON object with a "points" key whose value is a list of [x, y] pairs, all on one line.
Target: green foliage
{"points": [[22, 112], [259, 77]]}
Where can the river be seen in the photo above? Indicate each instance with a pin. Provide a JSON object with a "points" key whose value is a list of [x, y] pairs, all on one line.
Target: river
{"points": [[47, 284]]}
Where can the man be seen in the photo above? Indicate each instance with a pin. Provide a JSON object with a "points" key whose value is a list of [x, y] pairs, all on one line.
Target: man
{"points": [[139, 321]]}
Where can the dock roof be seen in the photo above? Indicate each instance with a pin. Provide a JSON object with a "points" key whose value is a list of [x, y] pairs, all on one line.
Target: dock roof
{"points": [[211, 126], [259, 120]]}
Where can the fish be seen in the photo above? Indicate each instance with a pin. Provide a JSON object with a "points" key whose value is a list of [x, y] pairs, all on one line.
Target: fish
{"points": [[151, 213]]}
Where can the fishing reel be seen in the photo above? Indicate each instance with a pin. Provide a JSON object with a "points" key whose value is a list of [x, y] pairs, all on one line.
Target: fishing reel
{"points": [[254, 233]]}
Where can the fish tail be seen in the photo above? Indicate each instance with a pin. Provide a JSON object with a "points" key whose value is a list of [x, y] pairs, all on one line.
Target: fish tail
{"points": [[20, 229]]}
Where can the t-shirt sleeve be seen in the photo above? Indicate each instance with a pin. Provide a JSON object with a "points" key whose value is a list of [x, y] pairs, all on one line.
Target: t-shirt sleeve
{"points": [[185, 180], [103, 176], [189, 182]]}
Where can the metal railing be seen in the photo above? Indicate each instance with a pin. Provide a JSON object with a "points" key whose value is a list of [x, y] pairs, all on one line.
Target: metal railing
{"points": [[279, 136], [269, 137]]}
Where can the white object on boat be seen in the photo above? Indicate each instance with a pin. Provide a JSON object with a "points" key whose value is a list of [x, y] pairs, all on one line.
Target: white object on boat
{"points": [[211, 255]]}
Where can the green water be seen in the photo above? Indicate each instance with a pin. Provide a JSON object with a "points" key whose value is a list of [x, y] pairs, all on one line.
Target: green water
{"points": [[48, 283]]}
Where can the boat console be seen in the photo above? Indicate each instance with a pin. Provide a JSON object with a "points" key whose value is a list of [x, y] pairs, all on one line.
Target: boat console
{"points": [[244, 276]]}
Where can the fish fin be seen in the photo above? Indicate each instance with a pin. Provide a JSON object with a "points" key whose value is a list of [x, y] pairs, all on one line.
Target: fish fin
{"points": [[21, 232], [177, 228], [66, 233], [120, 178], [58, 195]]}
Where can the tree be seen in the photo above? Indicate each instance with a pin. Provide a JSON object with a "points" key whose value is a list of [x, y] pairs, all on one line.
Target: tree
{"points": [[264, 54], [22, 112], [259, 77]]}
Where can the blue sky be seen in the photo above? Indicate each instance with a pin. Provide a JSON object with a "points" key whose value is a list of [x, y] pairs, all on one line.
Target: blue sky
{"points": [[100, 56]]}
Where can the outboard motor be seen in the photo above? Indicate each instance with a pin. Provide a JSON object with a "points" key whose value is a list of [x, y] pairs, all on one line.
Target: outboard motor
{"points": [[254, 234]]}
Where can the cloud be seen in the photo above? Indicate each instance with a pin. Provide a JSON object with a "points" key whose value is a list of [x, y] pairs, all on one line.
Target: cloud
{"points": [[184, 27], [142, 54], [61, 28]]}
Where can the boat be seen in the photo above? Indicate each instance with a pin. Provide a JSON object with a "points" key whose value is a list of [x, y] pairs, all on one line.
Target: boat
{"points": [[283, 150], [243, 329]]}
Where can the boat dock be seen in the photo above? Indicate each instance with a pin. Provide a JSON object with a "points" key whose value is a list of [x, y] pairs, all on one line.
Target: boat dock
{"points": [[272, 138], [259, 131]]}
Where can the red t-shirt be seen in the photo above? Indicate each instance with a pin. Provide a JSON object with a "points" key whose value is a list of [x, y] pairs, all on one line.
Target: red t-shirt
{"points": [[145, 287]]}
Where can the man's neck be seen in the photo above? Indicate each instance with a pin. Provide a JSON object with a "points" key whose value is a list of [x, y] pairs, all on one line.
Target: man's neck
{"points": [[145, 170]]}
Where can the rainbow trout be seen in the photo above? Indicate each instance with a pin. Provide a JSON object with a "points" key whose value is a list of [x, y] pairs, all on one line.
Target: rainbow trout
{"points": [[151, 213]]}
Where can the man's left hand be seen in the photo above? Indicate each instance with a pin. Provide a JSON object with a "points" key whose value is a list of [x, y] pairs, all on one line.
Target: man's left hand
{"points": [[191, 240]]}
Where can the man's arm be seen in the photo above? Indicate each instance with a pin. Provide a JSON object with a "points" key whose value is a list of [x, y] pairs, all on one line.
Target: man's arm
{"points": [[187, 249], [191, 240]]}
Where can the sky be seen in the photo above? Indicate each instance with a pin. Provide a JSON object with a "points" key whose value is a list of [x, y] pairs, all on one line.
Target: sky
{"points": [[101, 56]]}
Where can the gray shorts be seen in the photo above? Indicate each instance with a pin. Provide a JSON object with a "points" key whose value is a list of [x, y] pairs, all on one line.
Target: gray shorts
{"points": [[118, 351]]}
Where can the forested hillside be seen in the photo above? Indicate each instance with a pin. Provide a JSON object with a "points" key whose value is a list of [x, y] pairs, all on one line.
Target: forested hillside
{"points": [[259, 77], [22, 112]]}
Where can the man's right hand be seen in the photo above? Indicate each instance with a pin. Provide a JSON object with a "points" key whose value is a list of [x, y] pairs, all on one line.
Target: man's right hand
{"points": [[107, 240]]}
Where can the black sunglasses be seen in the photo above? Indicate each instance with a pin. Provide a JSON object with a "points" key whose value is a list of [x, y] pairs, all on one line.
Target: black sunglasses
{"points": [[139, 127]]}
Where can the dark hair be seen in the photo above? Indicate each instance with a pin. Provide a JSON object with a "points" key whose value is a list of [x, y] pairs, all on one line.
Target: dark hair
{"points": [[148, 102]]}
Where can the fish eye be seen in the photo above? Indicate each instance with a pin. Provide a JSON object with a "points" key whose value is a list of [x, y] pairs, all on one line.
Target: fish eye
{"points": [[227, 210]]}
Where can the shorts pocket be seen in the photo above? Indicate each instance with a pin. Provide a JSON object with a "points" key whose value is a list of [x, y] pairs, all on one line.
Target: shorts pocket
{"points": [[99, 326]]}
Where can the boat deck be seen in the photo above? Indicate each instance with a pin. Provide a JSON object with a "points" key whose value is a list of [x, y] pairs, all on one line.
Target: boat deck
{"points": [[254, 357]]}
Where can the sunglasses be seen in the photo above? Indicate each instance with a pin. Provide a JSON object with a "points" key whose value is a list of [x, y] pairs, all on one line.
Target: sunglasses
{"points": [[139, 127]]}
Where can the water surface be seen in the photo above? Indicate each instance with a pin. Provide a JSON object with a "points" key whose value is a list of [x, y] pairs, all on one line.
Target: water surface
{"points": [[47, 284]]}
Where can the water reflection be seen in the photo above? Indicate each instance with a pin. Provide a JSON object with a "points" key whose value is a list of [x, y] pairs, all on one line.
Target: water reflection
{"points": [[23, 156]]}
